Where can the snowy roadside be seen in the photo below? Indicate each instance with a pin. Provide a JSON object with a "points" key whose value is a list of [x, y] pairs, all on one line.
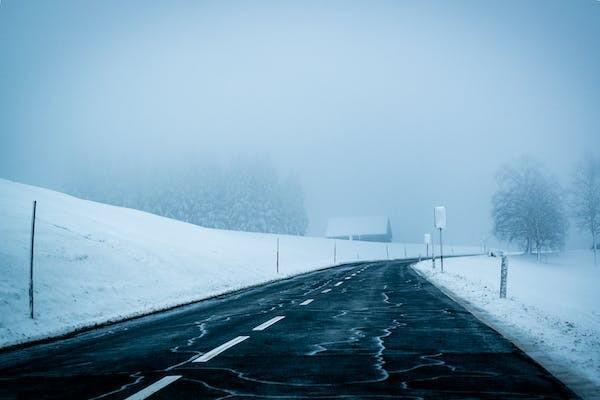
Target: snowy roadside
{"points": [[96, 263], [552, 311]]}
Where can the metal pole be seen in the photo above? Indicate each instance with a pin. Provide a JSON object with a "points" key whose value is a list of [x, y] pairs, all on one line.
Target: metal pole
{"points": [[427, 249], [387, 251], [277, 255], [31, 261], [441, 251], [503, 276]]}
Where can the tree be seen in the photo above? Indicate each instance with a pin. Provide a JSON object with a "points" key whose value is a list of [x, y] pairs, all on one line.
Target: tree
{"points": [[586, 199], [528, 207]]}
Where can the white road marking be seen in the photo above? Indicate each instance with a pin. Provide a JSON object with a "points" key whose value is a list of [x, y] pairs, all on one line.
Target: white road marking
{"points": [[155, 387], [354, 274], [326, 291], [348, 277], [306, 302], [267, 324], [218, 350], [338, 284]]}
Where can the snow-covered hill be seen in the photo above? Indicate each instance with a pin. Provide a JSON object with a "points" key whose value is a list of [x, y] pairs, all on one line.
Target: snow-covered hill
{"points": [[95, 262]]}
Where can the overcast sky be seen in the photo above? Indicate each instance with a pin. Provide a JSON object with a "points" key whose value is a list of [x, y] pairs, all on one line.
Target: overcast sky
{"points": [[381, 107]]}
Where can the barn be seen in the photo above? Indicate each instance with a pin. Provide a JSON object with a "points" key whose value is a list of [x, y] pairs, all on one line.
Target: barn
{"points": [[371, 229]]}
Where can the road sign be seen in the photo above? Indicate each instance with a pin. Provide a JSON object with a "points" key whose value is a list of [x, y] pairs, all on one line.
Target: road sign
{"points": [[439, 217], [427, 238]]}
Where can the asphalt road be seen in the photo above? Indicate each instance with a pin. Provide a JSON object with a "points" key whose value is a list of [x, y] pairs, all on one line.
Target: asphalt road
{"points": [[371, 331]]}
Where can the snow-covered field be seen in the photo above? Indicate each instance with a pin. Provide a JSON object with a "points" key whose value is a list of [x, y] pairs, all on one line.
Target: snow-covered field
{"points": [[95, 263], [552, 308]]}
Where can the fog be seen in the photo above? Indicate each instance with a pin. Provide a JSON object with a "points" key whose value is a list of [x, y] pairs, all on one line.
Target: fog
{"points": [[381, 108]]}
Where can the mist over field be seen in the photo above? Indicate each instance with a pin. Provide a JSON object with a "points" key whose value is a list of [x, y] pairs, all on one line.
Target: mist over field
{"points": [[375, 108]]}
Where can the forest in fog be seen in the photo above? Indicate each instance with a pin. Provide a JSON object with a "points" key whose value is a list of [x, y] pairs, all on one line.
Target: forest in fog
{"points": [[247, 195]]}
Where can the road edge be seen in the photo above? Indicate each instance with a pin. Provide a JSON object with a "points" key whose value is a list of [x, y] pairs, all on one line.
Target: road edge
{"points": [[70, 333], [581, 386]]}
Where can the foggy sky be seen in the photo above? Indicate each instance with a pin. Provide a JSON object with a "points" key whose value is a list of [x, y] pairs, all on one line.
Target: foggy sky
{"points": [[382, 108]]}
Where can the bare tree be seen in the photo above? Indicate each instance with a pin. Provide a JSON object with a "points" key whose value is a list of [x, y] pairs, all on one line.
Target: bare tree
{"points": [[528, 207], [586, 199]]}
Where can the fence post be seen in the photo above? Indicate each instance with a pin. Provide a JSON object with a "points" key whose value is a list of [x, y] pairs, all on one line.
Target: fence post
{"points": [[335, 251], [277, 255], [503, 276], [31, 261]]}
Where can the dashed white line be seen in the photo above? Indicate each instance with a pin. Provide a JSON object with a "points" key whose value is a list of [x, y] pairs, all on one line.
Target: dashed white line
{"points": [[267, 324], [326, 291], [306, 302], [155, 387], [348, 277], [338, 284], [218, 350]]}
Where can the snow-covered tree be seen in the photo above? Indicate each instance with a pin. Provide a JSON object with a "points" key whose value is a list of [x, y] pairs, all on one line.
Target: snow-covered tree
{"points": [[528, 207], [585, 199], [248, 195]]}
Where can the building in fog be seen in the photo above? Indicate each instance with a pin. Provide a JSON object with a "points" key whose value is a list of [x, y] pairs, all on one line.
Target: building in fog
{"points": [[371, 229]]}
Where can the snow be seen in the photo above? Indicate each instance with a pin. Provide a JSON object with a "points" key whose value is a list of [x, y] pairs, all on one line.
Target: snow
{"points": [[356, 226], [96, 263], [552, 310]]}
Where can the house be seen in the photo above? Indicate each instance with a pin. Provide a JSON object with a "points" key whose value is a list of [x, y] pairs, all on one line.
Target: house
{"points": [[371, 229]]}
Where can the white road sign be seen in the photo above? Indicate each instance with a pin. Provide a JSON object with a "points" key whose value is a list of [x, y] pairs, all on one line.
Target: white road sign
{"points": [[427, 238], [439, 216]]}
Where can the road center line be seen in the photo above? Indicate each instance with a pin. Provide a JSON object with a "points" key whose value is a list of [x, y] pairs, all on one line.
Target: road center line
{"points": [[326, 291], [155, 387], [218, 350], [267, 324], [338, 284], [306, 302], [348, 277]]}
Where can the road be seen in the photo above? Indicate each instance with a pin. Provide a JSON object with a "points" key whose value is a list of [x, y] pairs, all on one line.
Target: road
{"points": [[367, 330]]}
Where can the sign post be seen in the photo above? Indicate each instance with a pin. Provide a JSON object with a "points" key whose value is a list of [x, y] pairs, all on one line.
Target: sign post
{"points": [[439, 217], [432, 254]]}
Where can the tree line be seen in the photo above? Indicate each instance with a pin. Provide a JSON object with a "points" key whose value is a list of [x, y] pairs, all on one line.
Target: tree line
{"points": [[247, 195], [531, 208]]}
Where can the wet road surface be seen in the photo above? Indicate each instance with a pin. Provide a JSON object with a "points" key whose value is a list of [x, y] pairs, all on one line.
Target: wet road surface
{"points": [[365, 331]]}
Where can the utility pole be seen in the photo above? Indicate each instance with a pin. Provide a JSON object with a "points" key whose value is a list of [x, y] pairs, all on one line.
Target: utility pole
{"points": [[31, 261]]}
